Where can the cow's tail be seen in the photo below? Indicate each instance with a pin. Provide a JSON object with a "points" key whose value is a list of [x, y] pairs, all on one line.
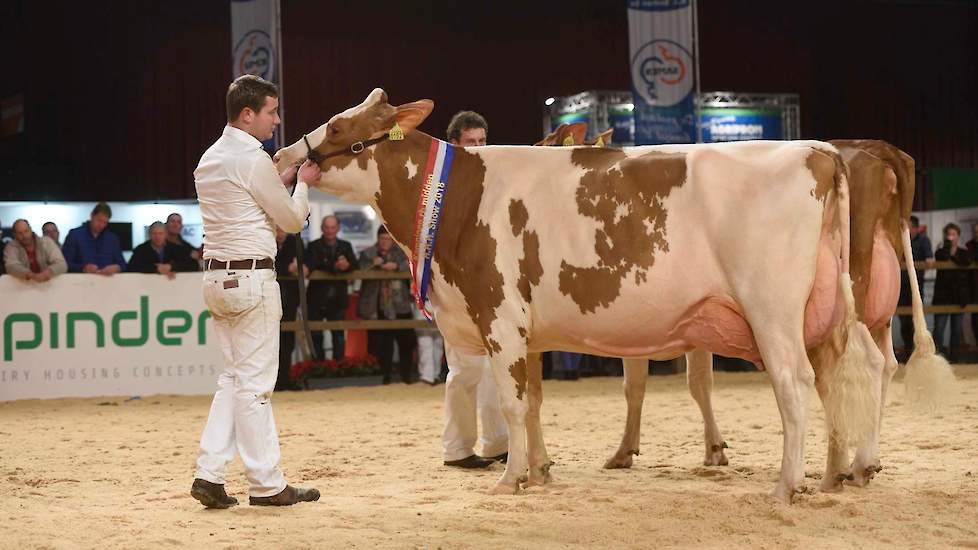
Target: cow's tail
{"points": [[846, 362], [929, 378]]}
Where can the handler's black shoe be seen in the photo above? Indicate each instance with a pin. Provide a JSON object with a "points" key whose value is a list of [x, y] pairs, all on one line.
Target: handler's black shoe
{"points": [[471, 462], [289, 496], [500, 457], [211, 495]]}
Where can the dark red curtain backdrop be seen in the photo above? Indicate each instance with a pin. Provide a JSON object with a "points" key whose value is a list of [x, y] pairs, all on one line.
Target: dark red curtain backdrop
{"points": [[122, 97]]}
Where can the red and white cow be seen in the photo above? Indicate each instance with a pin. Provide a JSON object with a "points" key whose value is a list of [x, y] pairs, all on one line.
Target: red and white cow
{"points": [[623, 253]]}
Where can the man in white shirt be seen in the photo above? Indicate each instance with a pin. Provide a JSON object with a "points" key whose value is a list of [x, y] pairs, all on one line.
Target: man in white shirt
{"points": [[242, 198], [470, 384]]}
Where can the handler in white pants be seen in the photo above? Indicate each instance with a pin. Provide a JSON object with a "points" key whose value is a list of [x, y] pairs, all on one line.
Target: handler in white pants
{"points": [[242, 198], [471, 386]]}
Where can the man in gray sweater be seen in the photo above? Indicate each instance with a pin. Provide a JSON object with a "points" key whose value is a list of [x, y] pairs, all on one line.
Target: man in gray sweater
{"points": [[32, 258]]}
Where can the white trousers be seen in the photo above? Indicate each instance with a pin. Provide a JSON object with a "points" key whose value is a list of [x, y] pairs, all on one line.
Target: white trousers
{"points": [[471, 386], [247, 309], [430, 350]]}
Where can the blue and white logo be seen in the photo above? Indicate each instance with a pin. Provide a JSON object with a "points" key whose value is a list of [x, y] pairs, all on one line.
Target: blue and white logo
{"points": [[255, 55], [662, 73]]}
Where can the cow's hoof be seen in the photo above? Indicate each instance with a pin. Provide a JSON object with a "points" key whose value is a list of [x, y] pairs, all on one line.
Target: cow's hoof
{"points": [[715, 455], [784, 494], [537, 481], [833, 484], [619, 461], [505, 489], [862, 476]]}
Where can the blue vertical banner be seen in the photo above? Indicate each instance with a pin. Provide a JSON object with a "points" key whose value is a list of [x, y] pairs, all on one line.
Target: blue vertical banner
{"points": [[256, 48], [661, 39]]}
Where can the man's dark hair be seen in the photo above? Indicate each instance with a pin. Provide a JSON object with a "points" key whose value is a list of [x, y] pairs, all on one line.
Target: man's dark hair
{"points": [[953, 226], [177, 214], [46, 224], [915, 221], [382, 230], [102, 208], [465, 120], [248, 91]]}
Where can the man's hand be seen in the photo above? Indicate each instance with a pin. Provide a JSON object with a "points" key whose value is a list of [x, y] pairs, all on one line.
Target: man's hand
{"points": [[930, 263], [305, 271], [42, 276], [288, 176], [293, 268], [389, 266], [164, 269], [378, 261], [342, 264], [90, 268], [309, 173], [110, 269]]}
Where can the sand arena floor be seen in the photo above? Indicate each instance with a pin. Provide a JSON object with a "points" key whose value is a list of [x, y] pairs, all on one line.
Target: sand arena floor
{"points": [[80, 473]]}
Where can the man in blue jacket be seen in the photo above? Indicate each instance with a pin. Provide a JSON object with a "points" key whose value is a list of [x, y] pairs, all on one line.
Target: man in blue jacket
{"points": [[89, 248]]}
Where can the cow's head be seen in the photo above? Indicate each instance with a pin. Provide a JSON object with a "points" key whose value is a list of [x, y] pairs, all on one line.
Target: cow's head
{"points": [[339, 143]]}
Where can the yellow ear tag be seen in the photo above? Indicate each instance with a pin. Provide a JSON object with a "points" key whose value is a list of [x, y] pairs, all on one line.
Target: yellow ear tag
{"points": [[568, 141], [396, 133], [600, 142]]}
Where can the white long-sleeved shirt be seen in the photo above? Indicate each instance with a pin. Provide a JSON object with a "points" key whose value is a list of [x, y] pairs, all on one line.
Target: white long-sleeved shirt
{"points": [[242, 199]]}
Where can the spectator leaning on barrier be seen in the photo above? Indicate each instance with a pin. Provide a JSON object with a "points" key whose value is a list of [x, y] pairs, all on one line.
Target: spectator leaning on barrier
{"points": [[32, 258], [174, 235], [952, 288], [922, 252], [50, 230], [387, 299], [328, 299], [285, 266], [157, 255], [89, 248]]}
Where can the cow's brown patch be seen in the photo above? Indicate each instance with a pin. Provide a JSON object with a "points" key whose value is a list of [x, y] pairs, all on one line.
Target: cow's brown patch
{"points": [[823, 168], [518, 371], [531, 270], [518, 216], [464, 248], [625, 196]]}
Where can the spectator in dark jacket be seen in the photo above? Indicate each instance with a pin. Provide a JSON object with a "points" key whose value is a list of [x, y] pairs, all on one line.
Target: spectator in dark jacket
{"points": [[286, 266], [973, 250], [157, 255], [952, 288], [328, 299], [89, 248], [174, 236]]}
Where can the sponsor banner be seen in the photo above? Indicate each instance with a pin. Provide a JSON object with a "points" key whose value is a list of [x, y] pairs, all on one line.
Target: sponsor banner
{"points": [[84, 335], [663, 70], [256, 47], [740, 124]]}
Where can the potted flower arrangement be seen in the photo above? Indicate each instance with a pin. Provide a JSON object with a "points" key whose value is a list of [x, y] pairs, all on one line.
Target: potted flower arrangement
{"points": [[358, 371]]}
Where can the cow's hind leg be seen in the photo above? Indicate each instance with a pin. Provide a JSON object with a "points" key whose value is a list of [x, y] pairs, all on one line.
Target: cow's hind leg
{"points": [[636, 375], [782, 349], [866, 463], [699, 378], [539, 460]]}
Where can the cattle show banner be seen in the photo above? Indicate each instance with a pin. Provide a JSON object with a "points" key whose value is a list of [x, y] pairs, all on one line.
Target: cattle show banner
{"points": [[82, 335], [664, 70], [256, 47]]}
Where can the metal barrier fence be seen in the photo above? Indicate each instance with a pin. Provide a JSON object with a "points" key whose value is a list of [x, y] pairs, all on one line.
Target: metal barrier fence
{"points": [[296, 326]]}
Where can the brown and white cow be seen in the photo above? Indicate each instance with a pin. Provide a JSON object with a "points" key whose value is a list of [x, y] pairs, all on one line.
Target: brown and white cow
{"points": [[623, 253], [881, 187]]}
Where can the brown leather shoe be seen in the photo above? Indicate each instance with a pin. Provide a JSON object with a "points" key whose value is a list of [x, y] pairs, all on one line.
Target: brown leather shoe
{"points": [[211, 495], [289, 496]]}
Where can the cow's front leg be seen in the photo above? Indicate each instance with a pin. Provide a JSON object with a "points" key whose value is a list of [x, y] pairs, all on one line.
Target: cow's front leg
{"points": [[699, 379], [539, 460], [636, 374], [509, 366]]}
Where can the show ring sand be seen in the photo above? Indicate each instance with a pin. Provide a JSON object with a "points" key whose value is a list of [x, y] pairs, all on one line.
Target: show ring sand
{"points": [[112, 473]]}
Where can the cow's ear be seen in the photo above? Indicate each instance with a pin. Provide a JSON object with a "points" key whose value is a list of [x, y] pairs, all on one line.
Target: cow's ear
{"points": [[604, 138], [410, 115], [578, 131]]}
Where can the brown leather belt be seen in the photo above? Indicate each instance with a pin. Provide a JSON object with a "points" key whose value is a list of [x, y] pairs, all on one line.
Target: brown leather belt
{"points": [[264, 263]]}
